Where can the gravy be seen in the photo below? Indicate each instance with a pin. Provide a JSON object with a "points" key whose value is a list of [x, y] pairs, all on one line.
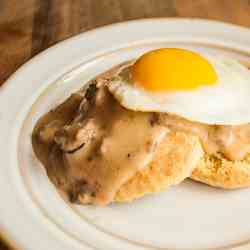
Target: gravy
{"points": [[99, 150], [232, 141], [90, 145]]}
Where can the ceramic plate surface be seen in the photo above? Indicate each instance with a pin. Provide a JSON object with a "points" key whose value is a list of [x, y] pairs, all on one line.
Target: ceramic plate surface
{"points": [[34, 216]]}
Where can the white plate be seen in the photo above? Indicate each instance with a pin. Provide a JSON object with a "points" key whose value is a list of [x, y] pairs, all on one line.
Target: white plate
{"points": [[34, 216]]}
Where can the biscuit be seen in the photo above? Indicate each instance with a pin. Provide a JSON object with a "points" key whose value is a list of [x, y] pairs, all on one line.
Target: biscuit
{"points": [[175, 160], [217, 171]]}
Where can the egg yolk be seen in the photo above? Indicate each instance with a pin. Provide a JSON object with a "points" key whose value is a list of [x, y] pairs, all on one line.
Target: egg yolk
{"points": [[172, 69]]}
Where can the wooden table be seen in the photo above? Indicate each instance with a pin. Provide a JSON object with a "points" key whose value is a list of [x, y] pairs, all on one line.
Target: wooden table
{"points": [[30, 26]]}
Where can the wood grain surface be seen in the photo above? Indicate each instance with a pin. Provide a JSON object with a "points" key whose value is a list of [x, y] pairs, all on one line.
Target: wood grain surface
{"points": [[30, 26]]}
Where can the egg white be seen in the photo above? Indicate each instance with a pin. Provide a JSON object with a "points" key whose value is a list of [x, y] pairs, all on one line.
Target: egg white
{"points": [[225, 103]]}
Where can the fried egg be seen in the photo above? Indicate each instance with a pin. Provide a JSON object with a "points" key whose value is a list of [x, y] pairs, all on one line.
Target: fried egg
{"points": [[200, 88]]}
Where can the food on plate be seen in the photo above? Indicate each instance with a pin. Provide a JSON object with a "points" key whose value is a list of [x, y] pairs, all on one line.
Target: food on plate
{"points": [[218, 171], [148, 124], [175, 159], [96, 151], [214, 92]]}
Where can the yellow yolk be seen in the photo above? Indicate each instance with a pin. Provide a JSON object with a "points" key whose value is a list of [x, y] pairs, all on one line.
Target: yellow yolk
{"points": [[172, 69]]}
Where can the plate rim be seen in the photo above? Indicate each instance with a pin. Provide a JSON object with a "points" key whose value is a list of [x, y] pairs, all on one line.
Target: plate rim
{"points": [[113, 25], [28, 65]]}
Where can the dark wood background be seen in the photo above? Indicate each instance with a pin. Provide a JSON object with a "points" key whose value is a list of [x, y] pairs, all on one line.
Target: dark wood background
{"points": [[30, 26]]}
